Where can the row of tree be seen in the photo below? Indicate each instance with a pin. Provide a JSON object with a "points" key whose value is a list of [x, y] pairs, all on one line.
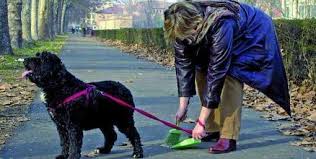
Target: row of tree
{"points": [[23, 21], [290, 9]]}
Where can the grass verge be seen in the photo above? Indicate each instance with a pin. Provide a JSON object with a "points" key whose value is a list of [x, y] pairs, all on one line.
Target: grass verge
{"points": [[10, 65]]}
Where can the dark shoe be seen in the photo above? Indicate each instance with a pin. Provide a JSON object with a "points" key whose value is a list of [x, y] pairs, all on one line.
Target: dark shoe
{"points": [[223, 146], [61, 157], [212, 136]]}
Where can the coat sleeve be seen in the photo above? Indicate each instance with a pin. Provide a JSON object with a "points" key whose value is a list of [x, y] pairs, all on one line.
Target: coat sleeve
{"points": [[221, 37], [185, 70]]}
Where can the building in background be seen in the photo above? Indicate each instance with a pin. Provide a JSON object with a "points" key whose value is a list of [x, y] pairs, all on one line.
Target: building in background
{"points": [[149, 13], [299, 9], [109, 16], [114, 17], [127, 13]]}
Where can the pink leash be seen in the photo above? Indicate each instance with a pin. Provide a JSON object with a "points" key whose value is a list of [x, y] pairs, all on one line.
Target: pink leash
{"points": [[123, 103]]}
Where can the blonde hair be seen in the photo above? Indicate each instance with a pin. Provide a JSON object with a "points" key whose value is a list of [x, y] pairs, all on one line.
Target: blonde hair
{"points": [[181, 21]]}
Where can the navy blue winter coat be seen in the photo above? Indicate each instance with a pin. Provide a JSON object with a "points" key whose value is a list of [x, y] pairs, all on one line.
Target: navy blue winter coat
{"points": [[245, 48]]}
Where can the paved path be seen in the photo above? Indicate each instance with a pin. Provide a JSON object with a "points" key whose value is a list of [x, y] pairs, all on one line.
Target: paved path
{"points": [[154, 89]]}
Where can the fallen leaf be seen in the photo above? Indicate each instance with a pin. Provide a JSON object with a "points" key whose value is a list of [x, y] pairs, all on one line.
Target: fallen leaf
{"points": [[312, 117], [15, 85], [92, 154], [310, 94], [10, 95], [22, 119], [310, 149], [259, 108], [24, 93], [310, 128], [128, 81], [293, 133], [6, 102], [5, 86], [16, 98]]}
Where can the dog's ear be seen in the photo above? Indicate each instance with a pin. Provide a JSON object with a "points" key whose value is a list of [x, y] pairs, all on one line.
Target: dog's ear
{"points": [[50, 57], [44, 54], [54, 58]]}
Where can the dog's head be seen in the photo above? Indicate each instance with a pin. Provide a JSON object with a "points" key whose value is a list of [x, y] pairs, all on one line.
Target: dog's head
{"points": [[45, 69]]}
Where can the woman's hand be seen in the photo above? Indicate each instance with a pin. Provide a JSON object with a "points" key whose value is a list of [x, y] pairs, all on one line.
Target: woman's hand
{"points": [[199, 130], [183, 109]]}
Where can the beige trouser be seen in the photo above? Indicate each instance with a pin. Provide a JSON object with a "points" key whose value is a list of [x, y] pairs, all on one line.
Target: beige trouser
{"points": [[226, 118]]}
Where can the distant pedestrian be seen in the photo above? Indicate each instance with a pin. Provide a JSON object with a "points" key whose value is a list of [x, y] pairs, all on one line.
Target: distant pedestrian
{"points": [[73, 30], [92, 32], [84, 32]]}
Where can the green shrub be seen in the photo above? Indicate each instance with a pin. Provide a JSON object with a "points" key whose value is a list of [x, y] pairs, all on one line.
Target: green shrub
{"points": [[298, 41], [147, 37]]}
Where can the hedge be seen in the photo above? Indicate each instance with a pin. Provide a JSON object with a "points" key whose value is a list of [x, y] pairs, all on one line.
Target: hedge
{"points": [[297, 39]]}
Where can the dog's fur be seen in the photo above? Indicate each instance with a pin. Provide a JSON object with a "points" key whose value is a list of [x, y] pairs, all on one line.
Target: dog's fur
{"points": [[48, 73]]}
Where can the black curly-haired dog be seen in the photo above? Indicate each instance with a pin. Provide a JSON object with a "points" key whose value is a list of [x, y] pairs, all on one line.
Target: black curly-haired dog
{"points": [[87, 112]]}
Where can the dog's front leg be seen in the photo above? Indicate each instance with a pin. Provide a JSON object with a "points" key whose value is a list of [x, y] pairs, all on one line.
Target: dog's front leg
{"points": [[75, 134], [64, 141], [63, 135]]}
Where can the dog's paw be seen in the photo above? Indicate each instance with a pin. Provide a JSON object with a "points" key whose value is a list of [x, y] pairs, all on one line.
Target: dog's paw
{"points": [[61, 157], [103, 150], [74, 156], [137, 155]]}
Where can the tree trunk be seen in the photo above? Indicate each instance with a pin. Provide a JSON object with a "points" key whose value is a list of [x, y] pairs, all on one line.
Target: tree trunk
{"points": [[63, 13], [149, 14], [5, 43], [55, 26], [34, 20], [271, 7], [43, 29], [49, 18], [67, 18], [295, 9], [15, 23], [59, 15], [283, 6], [26, 20], [52, 19]]}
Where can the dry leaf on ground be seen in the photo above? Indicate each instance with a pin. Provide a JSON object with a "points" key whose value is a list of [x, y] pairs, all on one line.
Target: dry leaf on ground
{"points": [[312, 117]]}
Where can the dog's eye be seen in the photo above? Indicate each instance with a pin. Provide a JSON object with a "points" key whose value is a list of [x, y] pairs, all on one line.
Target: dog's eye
{"points": [[38, 60]]}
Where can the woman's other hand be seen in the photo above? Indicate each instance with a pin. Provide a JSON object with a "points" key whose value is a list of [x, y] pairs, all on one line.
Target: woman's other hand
{"points": [[183, 109]]}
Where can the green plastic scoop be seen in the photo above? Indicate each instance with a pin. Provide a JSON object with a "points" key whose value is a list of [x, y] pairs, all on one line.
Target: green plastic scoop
{"points": [[173, 137], [186, 143]]}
